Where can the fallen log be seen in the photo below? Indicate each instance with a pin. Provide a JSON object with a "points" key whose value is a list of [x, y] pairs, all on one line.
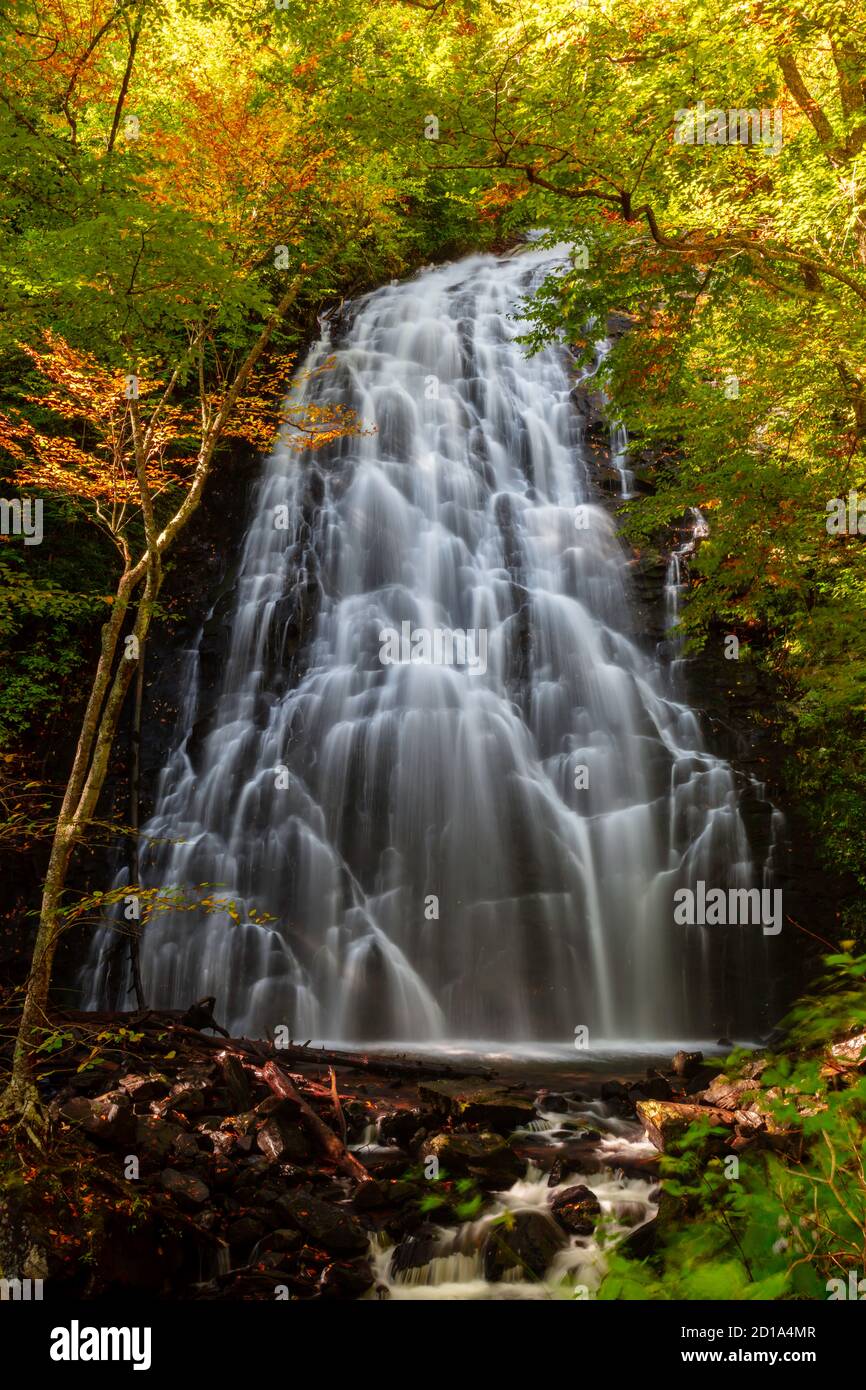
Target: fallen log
{"points": [[376, 1064], [323, 1137]]}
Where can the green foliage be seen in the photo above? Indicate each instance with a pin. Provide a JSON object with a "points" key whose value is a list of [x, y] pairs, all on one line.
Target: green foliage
{"points": [[794, 1217]]}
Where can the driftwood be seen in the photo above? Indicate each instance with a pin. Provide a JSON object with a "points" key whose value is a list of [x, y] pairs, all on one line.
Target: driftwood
{"points": [[323, 1137], [376, 1064]]}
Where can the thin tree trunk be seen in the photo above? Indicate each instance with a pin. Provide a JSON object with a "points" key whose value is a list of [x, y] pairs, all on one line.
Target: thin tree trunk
{"points": [[135, 853]]}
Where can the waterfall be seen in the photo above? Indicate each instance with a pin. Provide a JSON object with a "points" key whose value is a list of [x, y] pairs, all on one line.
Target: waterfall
{"points": [[447, 783]]}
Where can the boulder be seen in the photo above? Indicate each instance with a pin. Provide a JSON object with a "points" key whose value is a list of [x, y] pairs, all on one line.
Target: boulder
{"points": [[282, 1142], [400, 1126], [323, 1224], [483, 1155], [685, 1064], [851, 1052], [471, 1104], [651, 1088], [726, 1093], [576, 1209], [105, 1117], [346, 1278], [417, 1250], [143, 1088], [640, 1243], [527, 1242], [667, 1121], [243, 1233], [186, 1189], [154, 1137]]}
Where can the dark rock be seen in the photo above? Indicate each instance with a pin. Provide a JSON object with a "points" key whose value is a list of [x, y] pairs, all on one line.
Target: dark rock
{"points": [[481, 1155], [154, 1137], [186, 1146], [184, 1100], [144, 1088], [641, 1243], [282, 1142], [614, 1090], [685, 1064], [528, 1244], [243, 1233], [653, 1088], [283, 1241], [104, 1118], [577, 1209], [486, 1105], [322, 1223], [416, 1250], [400, 1126], [385, 1163], [553, 1101], [187, 1190], [346, 1278]]}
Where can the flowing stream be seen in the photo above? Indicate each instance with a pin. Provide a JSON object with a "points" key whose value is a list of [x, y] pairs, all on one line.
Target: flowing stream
{"points": [[454, 784]]}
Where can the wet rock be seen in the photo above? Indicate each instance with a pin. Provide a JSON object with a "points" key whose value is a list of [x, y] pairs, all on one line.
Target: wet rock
{"points": [[103, 1117], [685, 1064], [667, 1121], [386, 1163], [245, 1232], [851, 1052], [652, 1088], [282, 1142], [184, 1100], [400, 1126], [699, 1080], [528, 1244], [186, 1189], [467, 1104], [144, 1088], [186, 1146], [284, 1241], [416, 1250], [726, 1093], [553, 1101], [577, 1209], [323, 1224], [614, 1091], [480, 1155], [640, 1243], [346, 1278], [154, 1137]]}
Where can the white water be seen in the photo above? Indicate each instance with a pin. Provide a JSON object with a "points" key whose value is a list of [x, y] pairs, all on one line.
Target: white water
{"points": [[456, 1269], [413, 782]]}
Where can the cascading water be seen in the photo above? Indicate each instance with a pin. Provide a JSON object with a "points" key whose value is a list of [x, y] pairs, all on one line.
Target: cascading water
{"points": [[455, 847]]}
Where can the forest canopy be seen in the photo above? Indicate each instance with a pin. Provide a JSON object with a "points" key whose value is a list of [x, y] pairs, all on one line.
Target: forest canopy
{"points": [[170, 169]]}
